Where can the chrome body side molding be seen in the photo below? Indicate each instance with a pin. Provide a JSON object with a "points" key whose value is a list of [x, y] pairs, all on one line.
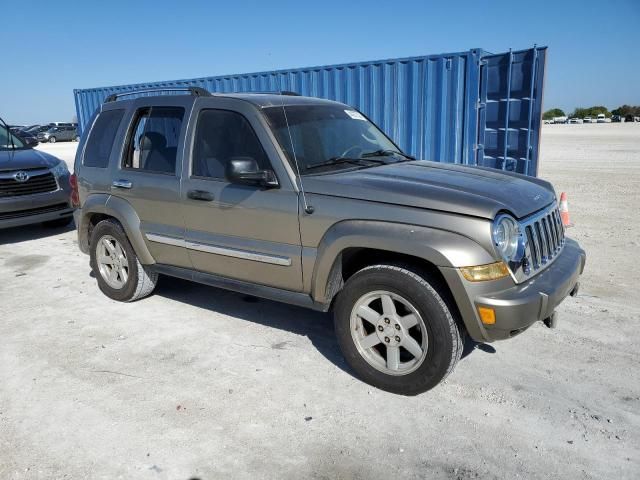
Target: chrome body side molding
{"points": [[218, 250]]}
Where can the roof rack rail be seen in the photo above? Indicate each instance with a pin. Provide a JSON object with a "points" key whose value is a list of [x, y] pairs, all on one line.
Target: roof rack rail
{"points": [[264, 92], [195, 91]]}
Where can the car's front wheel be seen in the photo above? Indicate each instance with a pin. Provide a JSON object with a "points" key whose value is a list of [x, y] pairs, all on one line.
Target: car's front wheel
{"points": [[52, 139], [120, 274], [395, 330]]}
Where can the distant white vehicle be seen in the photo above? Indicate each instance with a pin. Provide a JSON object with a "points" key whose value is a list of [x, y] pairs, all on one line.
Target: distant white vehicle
{"points": [[559, 119], [588, 120], [575, 120], [601, 118]]}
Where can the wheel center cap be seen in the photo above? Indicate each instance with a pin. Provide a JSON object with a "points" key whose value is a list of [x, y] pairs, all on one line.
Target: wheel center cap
{"points": [[388, 333]]}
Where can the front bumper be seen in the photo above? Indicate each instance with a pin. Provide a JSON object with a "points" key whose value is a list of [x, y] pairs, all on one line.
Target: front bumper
{"points": [[36, 208], [516, 306]]}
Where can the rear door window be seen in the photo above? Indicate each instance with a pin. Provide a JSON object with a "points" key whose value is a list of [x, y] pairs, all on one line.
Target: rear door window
{"points": [[101, 138], [153, 139]]}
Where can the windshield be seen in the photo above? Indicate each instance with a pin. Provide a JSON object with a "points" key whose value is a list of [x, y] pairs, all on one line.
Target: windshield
{"points": [[9, 141], [325, 134]]}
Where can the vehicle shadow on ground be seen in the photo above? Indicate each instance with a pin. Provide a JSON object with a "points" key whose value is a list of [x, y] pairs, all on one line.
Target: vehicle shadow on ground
{"points": [[316, 326], [31, 232]]}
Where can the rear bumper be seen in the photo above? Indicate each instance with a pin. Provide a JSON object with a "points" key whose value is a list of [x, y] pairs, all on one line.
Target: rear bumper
{"points": [[41, 207], [517, 307]]}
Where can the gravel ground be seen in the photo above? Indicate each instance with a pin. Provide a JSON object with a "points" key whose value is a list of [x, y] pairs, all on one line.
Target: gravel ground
{"points": [[195, 382]]}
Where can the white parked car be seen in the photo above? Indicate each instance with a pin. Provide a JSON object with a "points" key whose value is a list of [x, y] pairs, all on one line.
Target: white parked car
{"points": [[588, 120], [601, 118], [559, 119], [575, 120]]}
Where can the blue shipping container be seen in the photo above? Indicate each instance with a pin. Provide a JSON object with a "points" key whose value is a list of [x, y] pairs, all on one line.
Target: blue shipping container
{"points": [[473, 108]]}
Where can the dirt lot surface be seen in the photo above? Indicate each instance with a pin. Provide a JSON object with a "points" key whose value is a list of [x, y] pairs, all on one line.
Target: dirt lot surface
{"points": [[199, 382]]}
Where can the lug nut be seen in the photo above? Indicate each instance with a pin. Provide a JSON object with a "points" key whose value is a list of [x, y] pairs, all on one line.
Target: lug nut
{"points": [[386, 339], [397, 327], [386, 320], [380, 328], [397, 338]]}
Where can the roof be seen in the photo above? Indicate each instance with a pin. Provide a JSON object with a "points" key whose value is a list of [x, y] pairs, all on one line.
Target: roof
{"points": [[264, 100], [261, 100]]}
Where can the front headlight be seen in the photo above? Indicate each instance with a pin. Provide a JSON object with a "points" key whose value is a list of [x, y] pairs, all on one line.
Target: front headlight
{"points": [[506, 237], [60, 170]]}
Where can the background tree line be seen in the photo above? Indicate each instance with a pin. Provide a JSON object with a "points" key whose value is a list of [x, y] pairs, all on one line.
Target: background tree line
{"points": [[581, 112]]}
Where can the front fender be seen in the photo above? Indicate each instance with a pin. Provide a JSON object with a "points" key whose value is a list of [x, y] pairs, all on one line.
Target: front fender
{"points": [[439, 247], [122, 211]]}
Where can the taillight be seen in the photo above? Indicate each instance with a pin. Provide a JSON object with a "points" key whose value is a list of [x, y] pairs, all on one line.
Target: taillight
{"points": [[75, 195]]}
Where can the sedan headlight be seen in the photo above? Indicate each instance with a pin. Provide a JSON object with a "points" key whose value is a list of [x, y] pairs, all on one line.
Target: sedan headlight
{"points": [[60, 170], [506, 237]]}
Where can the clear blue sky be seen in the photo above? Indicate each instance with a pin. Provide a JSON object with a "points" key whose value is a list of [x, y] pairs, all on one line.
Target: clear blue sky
{"points": [[50, 48]]}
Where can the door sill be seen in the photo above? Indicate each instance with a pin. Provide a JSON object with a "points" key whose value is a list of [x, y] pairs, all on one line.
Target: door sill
{"points": [[263, 291]]}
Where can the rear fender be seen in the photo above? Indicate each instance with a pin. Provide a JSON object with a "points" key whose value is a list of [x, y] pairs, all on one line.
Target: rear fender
{"points": [[122, 211]]}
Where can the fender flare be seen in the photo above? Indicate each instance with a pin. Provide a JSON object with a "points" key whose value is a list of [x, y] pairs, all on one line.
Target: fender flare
{"points": [[439, 247], [122, 211]]}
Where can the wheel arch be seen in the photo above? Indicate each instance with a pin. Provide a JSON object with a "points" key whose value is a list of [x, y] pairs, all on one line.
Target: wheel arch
{"points": [[98, 207], [351, 245]]}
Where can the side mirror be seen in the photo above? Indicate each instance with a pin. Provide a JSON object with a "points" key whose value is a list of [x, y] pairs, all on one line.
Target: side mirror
{"points": [[245, 171]]}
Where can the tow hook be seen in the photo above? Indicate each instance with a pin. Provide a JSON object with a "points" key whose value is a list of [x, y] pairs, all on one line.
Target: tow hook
{"points": [[574, 292], [551, 321]]}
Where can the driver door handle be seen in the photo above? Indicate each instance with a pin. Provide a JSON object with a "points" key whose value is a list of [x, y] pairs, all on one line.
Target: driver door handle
{"points": [[202, 195]]}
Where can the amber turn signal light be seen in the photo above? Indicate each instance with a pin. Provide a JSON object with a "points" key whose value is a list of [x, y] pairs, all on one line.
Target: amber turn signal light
{"points": [[487, 315]]}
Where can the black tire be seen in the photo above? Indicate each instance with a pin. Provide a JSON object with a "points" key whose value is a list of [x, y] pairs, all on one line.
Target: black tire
{"points": [[52, 139], [445, 342], [141, 281], [58, 223]]}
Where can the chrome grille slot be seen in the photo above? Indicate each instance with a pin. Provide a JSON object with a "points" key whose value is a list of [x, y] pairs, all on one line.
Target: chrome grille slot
{"points": [[534, 249], [40, 182], [541, 241], [544, 236]]}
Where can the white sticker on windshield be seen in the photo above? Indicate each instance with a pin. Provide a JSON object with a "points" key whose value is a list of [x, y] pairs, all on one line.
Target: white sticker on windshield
{"points": [[355, 115]]}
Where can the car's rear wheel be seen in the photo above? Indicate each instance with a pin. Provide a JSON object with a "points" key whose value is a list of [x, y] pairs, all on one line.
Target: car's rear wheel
{"points": [[52, 139], [120, 274], [77, 138], [395, 330]]}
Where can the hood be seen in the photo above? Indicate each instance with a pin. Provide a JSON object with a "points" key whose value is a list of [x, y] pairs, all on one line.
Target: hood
{"points": [[476, 191], [26, 159]]}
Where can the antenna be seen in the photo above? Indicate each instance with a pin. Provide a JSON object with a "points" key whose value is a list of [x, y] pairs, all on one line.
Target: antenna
{"points": [[308, 209]]}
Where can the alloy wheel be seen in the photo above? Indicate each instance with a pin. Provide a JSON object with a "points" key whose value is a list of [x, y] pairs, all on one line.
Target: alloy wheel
{"points": [[389, 332], [112, 262]]}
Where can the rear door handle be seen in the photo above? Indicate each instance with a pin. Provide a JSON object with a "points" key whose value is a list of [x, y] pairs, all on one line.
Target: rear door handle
{"points": [[202, 195], [121, 183]]}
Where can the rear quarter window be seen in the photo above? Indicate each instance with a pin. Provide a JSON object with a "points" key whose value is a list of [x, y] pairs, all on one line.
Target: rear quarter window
{"points": [[101, 138]]}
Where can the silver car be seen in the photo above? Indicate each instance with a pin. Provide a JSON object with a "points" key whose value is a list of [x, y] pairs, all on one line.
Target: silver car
{"points": [[306, 201], [59, 134]]}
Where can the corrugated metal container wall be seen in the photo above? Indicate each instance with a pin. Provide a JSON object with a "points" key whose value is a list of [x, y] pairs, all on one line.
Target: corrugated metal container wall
{"points": [[429, 105]]}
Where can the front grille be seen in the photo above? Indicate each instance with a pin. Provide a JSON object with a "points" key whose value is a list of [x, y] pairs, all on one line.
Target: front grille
{"points": [[545, 238], [41, 183], [33, 211]]}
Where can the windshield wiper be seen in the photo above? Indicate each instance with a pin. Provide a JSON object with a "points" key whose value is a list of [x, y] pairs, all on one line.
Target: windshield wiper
{"points": [[386, 153], [363, 162]]}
